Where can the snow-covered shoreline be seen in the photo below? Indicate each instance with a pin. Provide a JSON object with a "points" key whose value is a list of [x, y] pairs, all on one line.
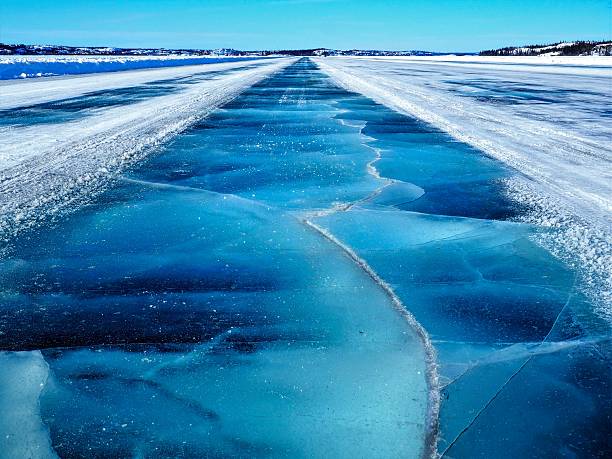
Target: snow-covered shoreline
{"points": [[103, 58], [18, 66], [44, 169]]}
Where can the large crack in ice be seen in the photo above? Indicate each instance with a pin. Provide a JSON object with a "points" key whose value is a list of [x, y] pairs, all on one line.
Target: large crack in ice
{"points": [[433, 402], [539, 351], [592, 250], [541, 348], [432, 372], [433, 410]]}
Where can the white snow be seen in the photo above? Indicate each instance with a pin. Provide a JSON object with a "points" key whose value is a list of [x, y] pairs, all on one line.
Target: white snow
{"points": [[561, 145], [564, 146], [47, 167], [591, 65]]}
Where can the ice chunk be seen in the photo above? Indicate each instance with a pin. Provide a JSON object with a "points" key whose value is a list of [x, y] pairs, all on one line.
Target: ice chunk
{"points": [[23, 376]]}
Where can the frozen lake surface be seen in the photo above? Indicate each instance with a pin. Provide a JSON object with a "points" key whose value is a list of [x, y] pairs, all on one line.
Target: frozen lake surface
{"points": [[302, 273]]}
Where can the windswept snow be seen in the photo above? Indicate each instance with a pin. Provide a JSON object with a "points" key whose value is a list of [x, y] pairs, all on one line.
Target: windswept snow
{"points": [[45, 167], [588, 65], [551, 129], [544, 116]]}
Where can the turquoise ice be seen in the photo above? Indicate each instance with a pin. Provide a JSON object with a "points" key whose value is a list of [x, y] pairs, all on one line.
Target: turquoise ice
{"points": [[269, 284], [182, 317]]}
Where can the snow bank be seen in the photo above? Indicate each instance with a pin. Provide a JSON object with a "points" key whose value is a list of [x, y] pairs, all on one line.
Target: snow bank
{"points": [[19, 93], [12, 67], [593, 65]]}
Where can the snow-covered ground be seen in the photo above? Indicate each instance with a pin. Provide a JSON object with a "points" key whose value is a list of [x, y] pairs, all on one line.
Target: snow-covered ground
{"points": [[17, 66], [45, 167], [547, 117], [594, 65]]}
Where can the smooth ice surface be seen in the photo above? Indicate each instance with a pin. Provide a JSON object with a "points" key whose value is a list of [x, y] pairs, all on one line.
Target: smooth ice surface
{"points": [[189, 311], [23, 376]]}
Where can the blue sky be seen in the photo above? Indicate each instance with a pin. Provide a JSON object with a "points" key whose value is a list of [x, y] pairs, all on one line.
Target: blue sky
{"points": [[443, 25]]}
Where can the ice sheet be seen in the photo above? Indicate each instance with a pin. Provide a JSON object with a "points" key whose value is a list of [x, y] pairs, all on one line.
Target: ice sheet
{"points": [[189, 311], [266, 283]]}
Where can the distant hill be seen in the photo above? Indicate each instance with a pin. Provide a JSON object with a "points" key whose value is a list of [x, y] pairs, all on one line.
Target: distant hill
{"points": [[28, 50], [574, 48]]}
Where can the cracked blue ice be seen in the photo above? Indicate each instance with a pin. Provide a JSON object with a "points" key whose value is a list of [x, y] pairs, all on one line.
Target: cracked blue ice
{"points": [[179, 320], [189, 312]]}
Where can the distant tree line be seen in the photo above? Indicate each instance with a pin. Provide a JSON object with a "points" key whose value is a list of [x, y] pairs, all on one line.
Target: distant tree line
{"points": [[578, 48], [22, 49]]}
